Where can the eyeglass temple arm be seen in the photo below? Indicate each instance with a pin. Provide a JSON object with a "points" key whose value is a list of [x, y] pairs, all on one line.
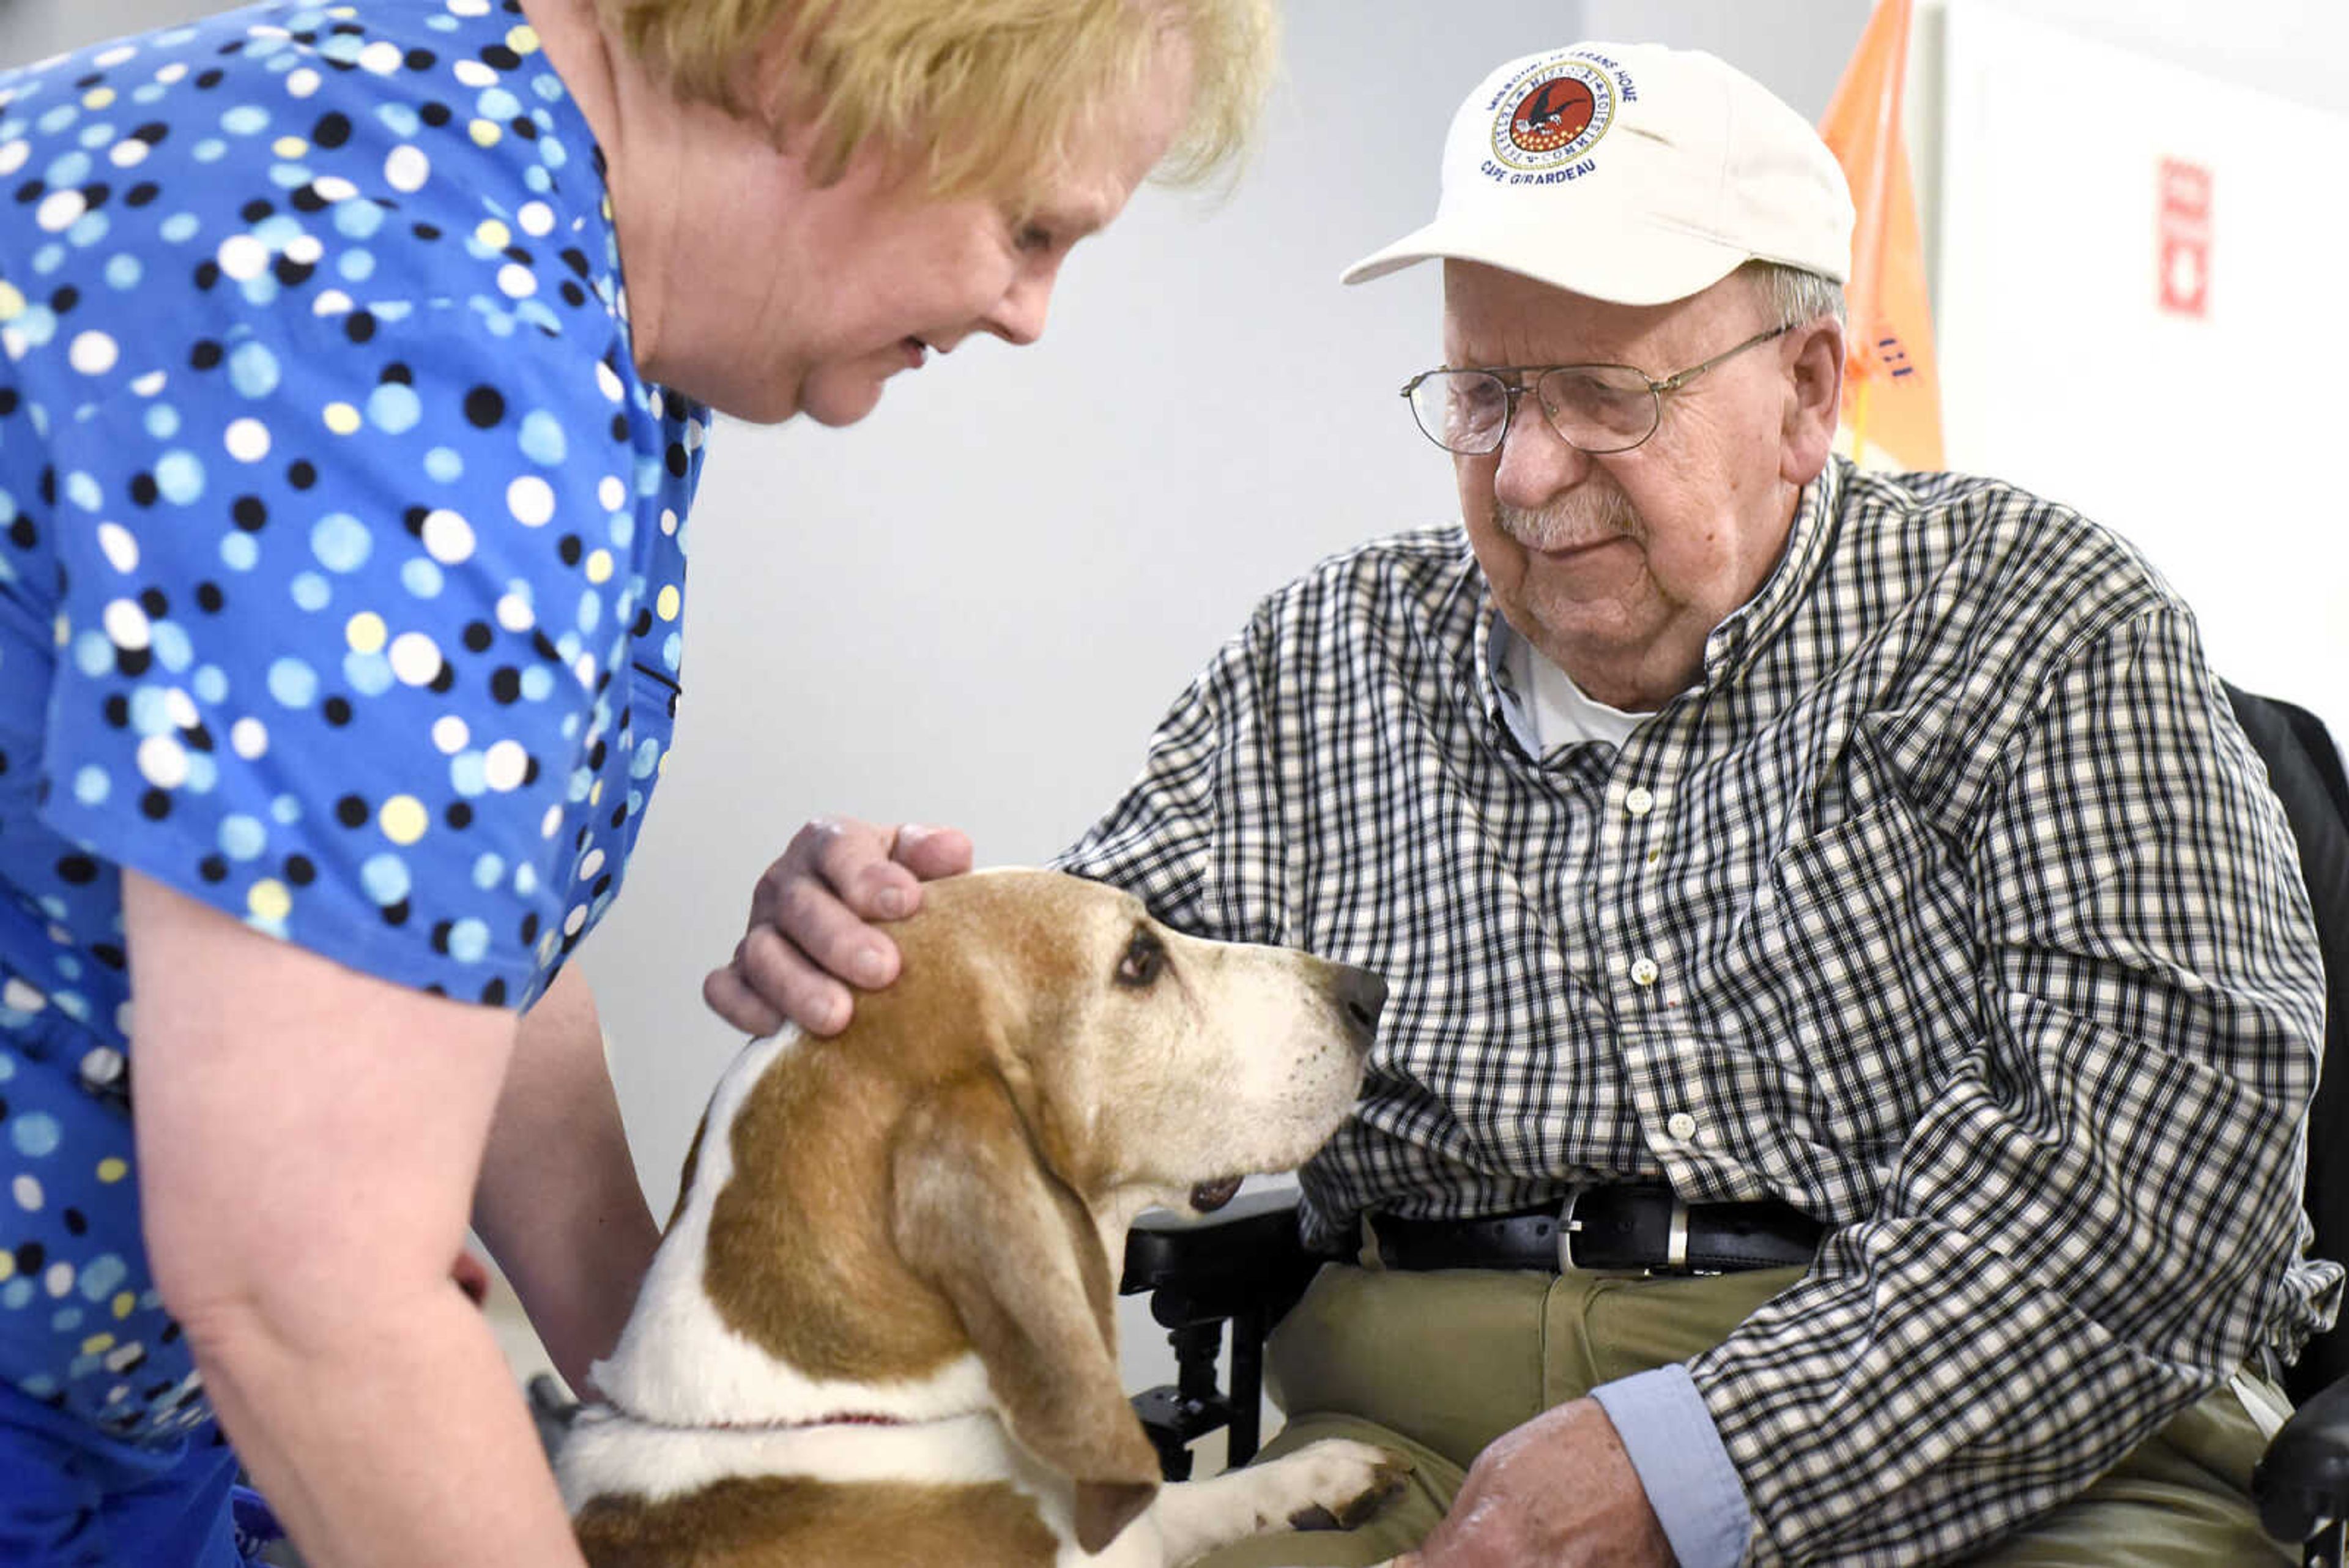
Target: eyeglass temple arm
{"points": [[1680, 379]]}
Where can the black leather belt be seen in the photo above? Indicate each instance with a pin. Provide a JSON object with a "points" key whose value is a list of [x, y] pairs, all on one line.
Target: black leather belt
{"points": [[1607, 1228]]}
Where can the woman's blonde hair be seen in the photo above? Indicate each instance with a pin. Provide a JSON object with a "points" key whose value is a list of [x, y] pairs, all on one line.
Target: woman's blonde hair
{"points": [[987, 96]]}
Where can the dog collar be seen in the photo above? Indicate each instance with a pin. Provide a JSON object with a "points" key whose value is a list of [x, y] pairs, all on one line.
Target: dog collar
{"points": [[831, 1419]]}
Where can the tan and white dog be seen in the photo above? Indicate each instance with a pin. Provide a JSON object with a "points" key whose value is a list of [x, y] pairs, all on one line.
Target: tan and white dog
{"points": [[879, 1328]]}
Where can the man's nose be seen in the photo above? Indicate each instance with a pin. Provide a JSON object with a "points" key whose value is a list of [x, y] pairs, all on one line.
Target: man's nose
{"points": [[1536, 462]]}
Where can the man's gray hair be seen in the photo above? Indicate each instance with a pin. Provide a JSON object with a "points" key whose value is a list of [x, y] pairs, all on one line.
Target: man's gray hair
{"points": [[1793, 295]]}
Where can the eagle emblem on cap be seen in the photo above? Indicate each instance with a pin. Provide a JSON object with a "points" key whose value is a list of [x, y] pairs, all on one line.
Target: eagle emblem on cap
{"points": [[1551, 113]]}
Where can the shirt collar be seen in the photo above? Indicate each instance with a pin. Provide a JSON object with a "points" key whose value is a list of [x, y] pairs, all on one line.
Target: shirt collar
{"points": [[1749, 628], [1494, 687]]}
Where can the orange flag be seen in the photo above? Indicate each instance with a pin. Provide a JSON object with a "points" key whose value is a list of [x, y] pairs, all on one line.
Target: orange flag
{"points": [[1891, 389]]}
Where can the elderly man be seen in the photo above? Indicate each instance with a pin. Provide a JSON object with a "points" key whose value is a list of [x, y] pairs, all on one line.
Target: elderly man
{"points": [[1841, 902]]}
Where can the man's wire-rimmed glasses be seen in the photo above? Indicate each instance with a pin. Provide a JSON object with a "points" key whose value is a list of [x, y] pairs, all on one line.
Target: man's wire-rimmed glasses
{"points": [[1597, 408]]}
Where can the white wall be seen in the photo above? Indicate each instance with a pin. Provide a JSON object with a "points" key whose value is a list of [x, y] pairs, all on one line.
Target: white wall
{"points": [[2200, 435]]}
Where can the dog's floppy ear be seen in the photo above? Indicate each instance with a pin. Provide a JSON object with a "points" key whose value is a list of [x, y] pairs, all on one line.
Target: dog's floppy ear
{"points": [[979, 1216]]}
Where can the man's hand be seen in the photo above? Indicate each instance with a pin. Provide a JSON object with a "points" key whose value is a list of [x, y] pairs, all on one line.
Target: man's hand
{"points": [[1559, 1490], [810, 922]]}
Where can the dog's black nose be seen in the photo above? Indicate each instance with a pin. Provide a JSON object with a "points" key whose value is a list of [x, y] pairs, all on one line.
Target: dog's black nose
{"points": [[1359, 994]]}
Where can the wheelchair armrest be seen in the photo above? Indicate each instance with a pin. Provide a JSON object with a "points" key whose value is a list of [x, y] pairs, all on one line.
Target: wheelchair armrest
{"points": [[2302, 1480], [1246, 1265], [1228, 1258]]}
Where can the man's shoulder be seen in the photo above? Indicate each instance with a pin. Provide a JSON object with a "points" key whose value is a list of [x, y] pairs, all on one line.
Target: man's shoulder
{"points": [[1996, 543]]}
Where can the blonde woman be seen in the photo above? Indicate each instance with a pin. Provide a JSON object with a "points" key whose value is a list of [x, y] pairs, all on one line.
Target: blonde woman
{"points": [[358, 363]]}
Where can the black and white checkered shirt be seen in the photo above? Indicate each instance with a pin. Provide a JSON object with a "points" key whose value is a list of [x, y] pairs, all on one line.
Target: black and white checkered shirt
{"points": [[1950, 905]]}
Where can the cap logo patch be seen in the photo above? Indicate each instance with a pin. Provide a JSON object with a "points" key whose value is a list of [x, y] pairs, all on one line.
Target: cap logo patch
{"points": [[1551, 113]]}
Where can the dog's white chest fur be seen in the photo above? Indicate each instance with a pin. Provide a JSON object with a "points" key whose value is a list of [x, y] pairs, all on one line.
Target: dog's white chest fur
{"points": [[678, 1364]]}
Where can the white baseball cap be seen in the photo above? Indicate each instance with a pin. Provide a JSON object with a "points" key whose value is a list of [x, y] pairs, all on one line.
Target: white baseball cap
{"points": [[1629, 172]]}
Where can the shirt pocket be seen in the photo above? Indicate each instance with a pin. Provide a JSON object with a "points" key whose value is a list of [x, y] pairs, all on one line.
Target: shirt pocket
{"points": [[1868, 954]]}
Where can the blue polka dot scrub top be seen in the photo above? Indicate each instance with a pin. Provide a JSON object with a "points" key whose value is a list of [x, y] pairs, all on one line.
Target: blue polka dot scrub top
{"points": [[341, 566]]}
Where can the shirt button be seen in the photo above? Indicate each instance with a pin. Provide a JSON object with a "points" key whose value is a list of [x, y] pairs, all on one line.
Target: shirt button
{"points": [[1644, 971], [1682, 1126], [1639, 801]]}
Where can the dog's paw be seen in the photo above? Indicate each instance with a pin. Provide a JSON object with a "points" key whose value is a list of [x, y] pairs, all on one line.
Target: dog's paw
{"points": [[1333, 1484], [1339, 1484]]}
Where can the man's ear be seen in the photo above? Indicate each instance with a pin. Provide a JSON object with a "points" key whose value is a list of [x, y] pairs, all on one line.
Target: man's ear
{"points": [[1814, 401], [978, 1216]]}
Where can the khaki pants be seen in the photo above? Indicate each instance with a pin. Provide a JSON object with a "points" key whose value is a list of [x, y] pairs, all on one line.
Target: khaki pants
{"points": [[1437, 1365]]}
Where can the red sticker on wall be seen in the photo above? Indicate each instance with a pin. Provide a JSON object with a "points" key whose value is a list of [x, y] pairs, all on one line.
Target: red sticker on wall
{"points": [[2183, 250]]}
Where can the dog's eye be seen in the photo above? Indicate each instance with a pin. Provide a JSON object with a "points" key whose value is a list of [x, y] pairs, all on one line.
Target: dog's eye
{"points": [[1145, 955]]}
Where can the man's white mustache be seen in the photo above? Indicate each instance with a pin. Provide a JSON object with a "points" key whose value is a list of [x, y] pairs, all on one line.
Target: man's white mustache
{"points": [[1610, 516]]}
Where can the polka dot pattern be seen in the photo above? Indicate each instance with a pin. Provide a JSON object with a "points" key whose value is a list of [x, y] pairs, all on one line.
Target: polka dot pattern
{"points": [[342, 564]]}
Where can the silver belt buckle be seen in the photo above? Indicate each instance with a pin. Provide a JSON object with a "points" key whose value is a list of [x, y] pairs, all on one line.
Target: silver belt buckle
{"points": [[1676, 1236]]}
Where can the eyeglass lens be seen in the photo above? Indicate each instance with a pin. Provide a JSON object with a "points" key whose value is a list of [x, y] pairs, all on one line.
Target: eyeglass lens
{"points": [[1597, 408]]}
